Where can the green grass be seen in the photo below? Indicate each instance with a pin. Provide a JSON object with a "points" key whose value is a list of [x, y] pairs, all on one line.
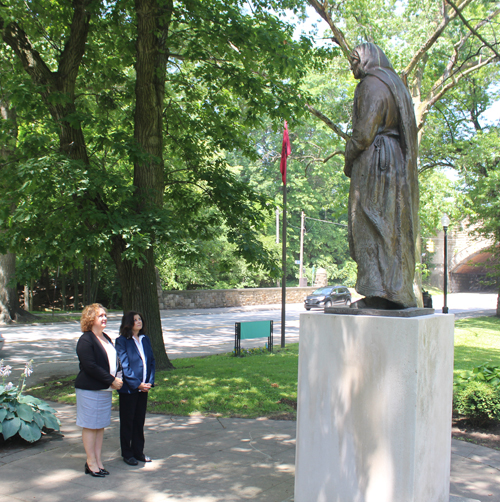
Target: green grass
{"points": [[220, 385], [433, 290], [264, 384], [56, 316], [477, 340], [49, 318]]}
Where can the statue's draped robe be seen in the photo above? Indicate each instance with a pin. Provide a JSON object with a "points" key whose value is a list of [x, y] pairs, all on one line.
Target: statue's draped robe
{"points": [[381, 160]]}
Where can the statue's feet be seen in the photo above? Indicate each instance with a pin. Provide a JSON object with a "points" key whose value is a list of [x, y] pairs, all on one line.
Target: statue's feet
{"points": [[375, 302]]}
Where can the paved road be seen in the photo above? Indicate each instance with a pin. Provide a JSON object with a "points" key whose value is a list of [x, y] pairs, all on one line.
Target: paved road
{"points": [[186, 332]]}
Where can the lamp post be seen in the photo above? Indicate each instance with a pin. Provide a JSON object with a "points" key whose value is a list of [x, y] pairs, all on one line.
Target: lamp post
{"points": [[445, 221]]}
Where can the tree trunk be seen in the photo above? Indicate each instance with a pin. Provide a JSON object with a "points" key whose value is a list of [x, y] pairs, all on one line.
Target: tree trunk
{"points": [[139, 292], [94, 283], [8, 293], [138, 284], [27, 298], [75, 289], [63, 290]]}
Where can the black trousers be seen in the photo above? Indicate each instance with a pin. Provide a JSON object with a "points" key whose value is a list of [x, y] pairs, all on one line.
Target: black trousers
{"points": [[132, 417]]}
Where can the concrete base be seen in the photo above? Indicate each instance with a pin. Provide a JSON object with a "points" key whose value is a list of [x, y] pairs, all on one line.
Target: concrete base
{"points": [[374, 408]]}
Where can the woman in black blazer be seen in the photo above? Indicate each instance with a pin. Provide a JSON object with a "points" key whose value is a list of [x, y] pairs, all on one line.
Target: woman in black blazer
{"points": [[138, 363], [99, 374]]}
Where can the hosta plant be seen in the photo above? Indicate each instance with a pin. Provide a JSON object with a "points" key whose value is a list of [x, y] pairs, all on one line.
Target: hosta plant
{"points": [[20, 414]]}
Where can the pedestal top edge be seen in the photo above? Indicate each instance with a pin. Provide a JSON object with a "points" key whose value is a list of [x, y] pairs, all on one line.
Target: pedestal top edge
{"points": [[411, 312]]}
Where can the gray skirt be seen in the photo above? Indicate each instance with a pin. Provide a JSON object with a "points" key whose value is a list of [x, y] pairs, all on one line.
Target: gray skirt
{"points": [[93, 408]]}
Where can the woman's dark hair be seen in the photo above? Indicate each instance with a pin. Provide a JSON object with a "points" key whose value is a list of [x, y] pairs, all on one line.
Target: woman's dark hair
{"points": [[128, 324]]}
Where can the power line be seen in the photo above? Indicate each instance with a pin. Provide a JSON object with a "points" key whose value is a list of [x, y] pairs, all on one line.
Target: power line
{"points": [[326, 221]]}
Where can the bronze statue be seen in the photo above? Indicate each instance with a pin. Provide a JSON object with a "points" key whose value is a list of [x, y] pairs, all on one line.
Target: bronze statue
{"points": [[381, 160]]}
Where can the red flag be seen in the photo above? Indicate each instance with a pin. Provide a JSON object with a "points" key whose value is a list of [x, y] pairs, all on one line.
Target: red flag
{"points": [[286, 150]]}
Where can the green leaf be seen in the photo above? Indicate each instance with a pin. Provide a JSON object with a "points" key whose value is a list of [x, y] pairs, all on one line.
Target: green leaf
{"points": [[50, 421], [24, 412], [30, 432], [38, 420], [45, 407], [10, 427], [30, 399], [3, 414]]}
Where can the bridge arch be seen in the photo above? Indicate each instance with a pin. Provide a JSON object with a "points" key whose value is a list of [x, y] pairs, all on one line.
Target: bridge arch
{"points": [[470, 261]]}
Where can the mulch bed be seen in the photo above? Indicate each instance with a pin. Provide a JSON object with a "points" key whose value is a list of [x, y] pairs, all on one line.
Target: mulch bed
{"points": [[484, 436]]}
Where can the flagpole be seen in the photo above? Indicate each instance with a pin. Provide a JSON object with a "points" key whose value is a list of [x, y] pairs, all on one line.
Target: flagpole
{"points": [[283, 266], [286, 150]]}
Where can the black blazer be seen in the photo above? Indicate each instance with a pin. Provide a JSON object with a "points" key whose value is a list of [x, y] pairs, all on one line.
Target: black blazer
{"points": [[94, 365]]}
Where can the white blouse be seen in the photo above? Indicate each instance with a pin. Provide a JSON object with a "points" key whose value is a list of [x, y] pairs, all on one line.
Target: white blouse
{"points": [[111, 353], [140, 348]]}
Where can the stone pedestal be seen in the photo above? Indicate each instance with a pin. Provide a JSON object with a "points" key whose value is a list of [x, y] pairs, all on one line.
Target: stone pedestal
{"points": [[374, 408]]}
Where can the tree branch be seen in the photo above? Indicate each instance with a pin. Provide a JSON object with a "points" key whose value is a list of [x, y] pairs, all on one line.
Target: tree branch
{"points": [[75, 46], [456, 77], [430, 41], [33, 64], [338, 152], [328, 122], [471, 29], [321, 9]]}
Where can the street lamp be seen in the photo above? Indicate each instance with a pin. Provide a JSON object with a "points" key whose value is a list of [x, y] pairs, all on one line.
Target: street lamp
{"points": [[445, 221]]}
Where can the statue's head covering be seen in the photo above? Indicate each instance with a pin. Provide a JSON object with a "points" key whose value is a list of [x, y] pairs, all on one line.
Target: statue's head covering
{"points": [[373, 62], [371, 56]]}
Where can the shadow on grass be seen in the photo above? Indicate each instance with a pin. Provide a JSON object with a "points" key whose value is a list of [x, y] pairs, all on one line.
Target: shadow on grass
{"points": [[260, 385], [473, 323], [467, 357]]}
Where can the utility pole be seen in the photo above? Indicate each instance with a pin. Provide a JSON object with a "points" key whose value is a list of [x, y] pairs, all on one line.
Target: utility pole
{"points": [[302, 279]]}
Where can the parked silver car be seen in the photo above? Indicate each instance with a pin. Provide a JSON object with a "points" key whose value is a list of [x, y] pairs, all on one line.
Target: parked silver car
{"points": [[328, 297]]}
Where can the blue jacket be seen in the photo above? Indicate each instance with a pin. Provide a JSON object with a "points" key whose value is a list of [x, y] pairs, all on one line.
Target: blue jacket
{"points": [[132, 365]]}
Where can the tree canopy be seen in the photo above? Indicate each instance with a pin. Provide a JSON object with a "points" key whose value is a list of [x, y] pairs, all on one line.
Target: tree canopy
{"points": [[124, 110], [148, 130]]}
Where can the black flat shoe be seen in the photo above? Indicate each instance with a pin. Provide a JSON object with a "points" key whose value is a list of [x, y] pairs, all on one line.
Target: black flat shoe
{"points": [[103, 471], [97, 474], [130, 461], [143, 458]]}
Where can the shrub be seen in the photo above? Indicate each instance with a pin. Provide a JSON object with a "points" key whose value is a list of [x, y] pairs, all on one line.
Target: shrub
{"points": [[27, 416], [478, 401]]}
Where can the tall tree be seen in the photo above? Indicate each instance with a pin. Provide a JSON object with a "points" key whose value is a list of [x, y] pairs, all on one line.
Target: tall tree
{"points": [[141, 127]]}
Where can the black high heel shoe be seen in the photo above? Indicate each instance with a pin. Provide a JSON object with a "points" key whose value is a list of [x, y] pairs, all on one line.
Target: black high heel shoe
{"points": [[104, 471], [97, 474]]}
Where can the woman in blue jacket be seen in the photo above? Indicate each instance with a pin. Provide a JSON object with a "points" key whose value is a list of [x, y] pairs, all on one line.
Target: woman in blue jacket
{"points": [[138, 363]]}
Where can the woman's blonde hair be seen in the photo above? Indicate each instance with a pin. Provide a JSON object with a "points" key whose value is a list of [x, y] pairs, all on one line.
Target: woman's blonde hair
{"points": [[89, 314]]}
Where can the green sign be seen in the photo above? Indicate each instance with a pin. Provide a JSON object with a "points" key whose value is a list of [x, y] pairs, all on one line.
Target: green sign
{"points": [[255, 329]]}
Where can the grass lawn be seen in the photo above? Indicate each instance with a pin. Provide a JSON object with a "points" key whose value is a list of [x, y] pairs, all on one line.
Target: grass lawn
{"points": [[477, 340], [223, 385], [264, 384], [48, 316]]}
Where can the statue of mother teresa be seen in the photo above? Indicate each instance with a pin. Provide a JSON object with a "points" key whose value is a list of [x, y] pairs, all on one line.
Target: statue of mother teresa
{"points": [[381, 160]]}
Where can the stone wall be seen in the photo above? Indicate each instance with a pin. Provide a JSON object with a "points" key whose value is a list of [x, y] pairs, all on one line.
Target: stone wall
{"points": [[202, 299]]}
